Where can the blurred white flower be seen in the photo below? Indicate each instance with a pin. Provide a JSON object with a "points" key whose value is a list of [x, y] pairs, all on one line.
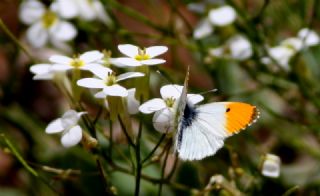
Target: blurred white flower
{"points": [[68, 126], [85, 9], [309, 37], [42, 71], [45, 24], [271, 166], [86, 61], [222, 16], [240, 47], [203, 29], [164, 108], [108, 82], [292, 42], [237, 47], [281, 54], [138, 57]]}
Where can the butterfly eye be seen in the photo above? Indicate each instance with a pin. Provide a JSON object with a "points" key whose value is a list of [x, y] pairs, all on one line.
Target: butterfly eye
{"points": [[228, 110]]}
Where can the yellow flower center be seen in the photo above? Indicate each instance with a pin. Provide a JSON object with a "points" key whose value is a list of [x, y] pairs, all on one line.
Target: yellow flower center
{"points": [[170, 102], [48, 19], [77, 63], [142, 55], [111, 79]]}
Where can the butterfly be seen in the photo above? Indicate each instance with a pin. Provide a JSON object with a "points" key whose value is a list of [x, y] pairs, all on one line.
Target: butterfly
{"points": [[202, 129]]}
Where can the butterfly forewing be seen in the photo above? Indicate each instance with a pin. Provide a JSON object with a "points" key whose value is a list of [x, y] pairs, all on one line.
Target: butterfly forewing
{"points": [[212, 124]]}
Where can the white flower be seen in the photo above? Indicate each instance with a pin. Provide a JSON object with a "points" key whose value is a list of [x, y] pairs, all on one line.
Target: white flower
{"points": [[164, 108], [108, 82], [203, 29], [309, 37], [240, 47], [86, 61], [293, 42], [222, 16], [237, 47], [85, 9], [68, 126], [45, 24], [281, 54], [137, 56], [271, 166]]}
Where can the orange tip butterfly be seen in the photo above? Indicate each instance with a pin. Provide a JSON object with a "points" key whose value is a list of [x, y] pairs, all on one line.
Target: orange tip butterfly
{"points": [[201, 130]]}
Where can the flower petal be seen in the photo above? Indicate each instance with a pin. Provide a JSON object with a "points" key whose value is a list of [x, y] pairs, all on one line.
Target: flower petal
{"points": [[63, 31], [66, 9], [91, 83], [129, 75], [72, 136], [310, 37], [86, 9], [54, 126], [115, 90], [203, 29], [163, 120], [153, 61], [37, 35], [40, 68], [171, 90], [31, 11], [91, 56], [128, 62], [100, 95], [69, 119], [156, 50], [194, 98], [100, 71], [59, 59], [61, 67], [295, 43], [102, 15], [152, 105], [48, 76], [222, 16], [128, 50], [132, 103]]}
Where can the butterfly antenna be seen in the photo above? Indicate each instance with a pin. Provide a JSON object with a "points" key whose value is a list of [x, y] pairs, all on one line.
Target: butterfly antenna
{"points": [[209, 91], [165, 76]]}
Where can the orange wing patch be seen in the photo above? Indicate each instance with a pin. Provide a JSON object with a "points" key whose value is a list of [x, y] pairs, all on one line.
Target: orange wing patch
{"points": [[239, 116]]}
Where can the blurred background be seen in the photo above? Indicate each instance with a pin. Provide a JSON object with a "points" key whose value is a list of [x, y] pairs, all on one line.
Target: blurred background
{"points": [[263, 52]]}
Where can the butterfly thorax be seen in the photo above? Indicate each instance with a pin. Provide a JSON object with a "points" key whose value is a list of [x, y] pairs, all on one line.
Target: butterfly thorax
{"points": [[189, 114]]}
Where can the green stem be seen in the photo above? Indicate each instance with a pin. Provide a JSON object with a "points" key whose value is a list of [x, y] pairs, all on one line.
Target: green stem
{"points": [[154, 149], [125, 132], [163, 170], [138, 161], [14, 39]]}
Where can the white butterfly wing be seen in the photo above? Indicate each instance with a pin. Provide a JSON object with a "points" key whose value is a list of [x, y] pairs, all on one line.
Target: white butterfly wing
{"points": [[197, 142]]}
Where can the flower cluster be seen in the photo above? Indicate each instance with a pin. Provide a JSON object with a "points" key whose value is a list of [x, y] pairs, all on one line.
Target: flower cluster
{"points": [[282, 53], [103, 78], [48, 24]]}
